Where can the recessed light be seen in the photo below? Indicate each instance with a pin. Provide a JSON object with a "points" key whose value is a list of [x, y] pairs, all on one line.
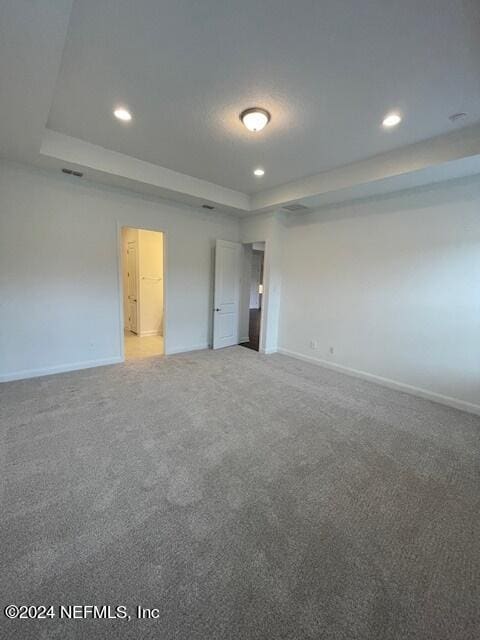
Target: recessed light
{"points": [[122, 114], [259, 172], [391, 120], [255, 119]]}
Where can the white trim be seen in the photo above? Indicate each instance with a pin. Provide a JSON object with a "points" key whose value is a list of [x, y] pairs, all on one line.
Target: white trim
{"points": [[463, 405], [120, 292], [105, 164], [263, 329], [146, 334], [443, 157], [61, 368], [195, 347], [268, 352]]}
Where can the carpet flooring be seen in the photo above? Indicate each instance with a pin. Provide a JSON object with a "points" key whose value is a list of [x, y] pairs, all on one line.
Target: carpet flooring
{"points": [[243, 496]]}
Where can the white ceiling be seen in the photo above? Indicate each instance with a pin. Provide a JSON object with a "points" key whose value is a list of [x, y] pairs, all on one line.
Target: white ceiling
{"points": [[32, 37], [327, 70]]}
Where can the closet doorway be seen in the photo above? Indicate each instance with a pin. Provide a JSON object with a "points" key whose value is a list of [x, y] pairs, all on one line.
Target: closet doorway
{"points": [[143, 292], [253, 300]]}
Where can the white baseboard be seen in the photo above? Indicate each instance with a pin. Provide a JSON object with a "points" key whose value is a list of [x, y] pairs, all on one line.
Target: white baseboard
{"points": [[463, 405], [146, 334], [197, 347], [62, 368], [269, 352]]}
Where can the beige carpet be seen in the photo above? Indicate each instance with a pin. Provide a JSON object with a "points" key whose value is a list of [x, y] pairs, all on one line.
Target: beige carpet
{"points": [[245, 497]]}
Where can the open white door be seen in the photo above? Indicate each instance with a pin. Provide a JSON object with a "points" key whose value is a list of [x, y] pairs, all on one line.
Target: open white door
{"points": [[227, 293], [132, 286]]}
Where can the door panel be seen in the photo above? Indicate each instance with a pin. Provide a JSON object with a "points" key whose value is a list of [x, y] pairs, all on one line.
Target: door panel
{"points": [[226, 326], [132, 316], [227, 293], [132, 286]]}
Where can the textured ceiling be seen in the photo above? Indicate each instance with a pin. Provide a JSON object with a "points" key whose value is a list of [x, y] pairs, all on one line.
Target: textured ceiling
{"points": [[327, 70]]}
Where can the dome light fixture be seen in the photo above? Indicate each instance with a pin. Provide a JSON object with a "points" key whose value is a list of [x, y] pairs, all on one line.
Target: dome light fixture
{"points": [[255, 119]]}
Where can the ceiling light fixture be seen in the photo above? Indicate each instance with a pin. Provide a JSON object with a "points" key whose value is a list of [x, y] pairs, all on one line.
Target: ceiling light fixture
{"points": [[122, 114], [391, 120], [259, 172], [255, 119]]}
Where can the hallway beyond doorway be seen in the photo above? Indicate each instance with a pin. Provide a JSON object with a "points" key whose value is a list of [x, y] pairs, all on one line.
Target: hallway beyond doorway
{"points": [[142, 347], [143, 301], [253, 271], [253, 330]]}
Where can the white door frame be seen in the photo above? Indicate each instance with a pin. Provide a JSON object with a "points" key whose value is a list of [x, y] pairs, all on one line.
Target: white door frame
{"points": [[264, 301], [265, 295], [121, 316]]}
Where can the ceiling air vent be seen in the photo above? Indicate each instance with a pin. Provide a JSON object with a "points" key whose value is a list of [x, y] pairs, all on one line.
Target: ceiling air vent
{"points": [[71, 172], [208, 206], [457, 116], [295, 207]]}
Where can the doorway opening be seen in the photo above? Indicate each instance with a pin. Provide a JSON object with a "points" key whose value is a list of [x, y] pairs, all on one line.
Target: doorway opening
{"points": [[143, 292], [251, 314]]}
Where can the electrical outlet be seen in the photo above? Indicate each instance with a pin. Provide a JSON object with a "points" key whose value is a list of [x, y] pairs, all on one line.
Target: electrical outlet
{"points": [[313, 344]]}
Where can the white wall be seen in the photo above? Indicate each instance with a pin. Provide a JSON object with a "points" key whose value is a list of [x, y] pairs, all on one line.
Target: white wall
{"points": [[392, 285], [59, 271]]}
